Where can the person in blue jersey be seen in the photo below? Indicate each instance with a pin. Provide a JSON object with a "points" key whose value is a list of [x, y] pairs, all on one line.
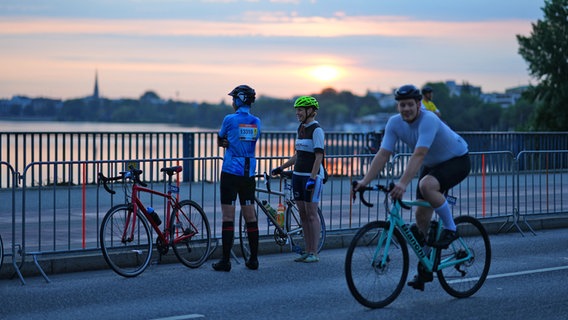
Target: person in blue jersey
{"points": [[308, 174], [439, 154], [238, 135]]}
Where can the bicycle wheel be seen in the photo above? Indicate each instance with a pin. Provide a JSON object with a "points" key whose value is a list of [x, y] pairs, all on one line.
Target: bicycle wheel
{"points": [[190, 234], [295, 231], [464, 279], [373, 282], [1, 252], [126, 241]]}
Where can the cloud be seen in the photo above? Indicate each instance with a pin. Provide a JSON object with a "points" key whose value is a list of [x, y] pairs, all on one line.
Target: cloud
{"points": [[270, 25], [272, 48]]}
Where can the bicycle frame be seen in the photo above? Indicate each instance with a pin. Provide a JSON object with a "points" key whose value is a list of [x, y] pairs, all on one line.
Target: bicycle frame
{"points": [[429, 261], [289, 202], [137, 204]]}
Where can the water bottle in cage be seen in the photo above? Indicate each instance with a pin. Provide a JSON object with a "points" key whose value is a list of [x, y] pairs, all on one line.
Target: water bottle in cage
{"points": [[269, 208], [280, 214], [154, 216]]}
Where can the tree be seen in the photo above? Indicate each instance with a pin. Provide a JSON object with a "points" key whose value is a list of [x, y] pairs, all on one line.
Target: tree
{"points": [[546, 52]]}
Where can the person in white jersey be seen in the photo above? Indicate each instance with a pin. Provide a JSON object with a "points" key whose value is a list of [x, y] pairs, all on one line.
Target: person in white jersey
{"points": [[439, 154]]}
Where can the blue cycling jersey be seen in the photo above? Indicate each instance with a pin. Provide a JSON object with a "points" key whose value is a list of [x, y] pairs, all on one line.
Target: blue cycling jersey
{"points": [[242, 129], [426, 131]]}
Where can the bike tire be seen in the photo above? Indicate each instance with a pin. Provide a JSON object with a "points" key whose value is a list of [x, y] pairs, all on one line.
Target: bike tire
{"points": [[296, 233], [373, 284], [465, 279], [1, 252], [127, 258], [190, 234]]}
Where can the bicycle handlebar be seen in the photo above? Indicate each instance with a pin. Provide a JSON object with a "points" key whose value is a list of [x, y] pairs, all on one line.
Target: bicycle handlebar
{"points": [[377, 187], [266, 176], [133, 174]]}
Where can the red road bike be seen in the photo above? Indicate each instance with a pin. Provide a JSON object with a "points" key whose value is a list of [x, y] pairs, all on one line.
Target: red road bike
{"points": [[125, 235]]}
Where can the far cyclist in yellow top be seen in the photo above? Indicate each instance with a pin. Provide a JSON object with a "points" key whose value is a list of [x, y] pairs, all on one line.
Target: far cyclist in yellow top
{"points": [[427, 101]]}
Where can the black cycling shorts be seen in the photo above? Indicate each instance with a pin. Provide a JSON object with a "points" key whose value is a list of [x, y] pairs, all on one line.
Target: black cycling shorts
{"points": [[232, 185], [448, 173]]}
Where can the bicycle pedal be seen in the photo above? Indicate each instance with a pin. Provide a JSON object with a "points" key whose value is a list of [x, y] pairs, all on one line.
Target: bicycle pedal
{"points": [[416, 283]]}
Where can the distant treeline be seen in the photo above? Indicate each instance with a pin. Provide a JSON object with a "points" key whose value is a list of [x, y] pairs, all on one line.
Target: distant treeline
{"points": [[466, 112]]}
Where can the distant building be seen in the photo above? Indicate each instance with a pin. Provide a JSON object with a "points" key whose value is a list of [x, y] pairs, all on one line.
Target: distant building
{"points": [[150, 97], [457, 90], [21, 106], [505, 100], [386, 100]]}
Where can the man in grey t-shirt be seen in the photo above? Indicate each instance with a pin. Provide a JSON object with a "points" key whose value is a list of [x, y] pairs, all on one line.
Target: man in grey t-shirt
{"points": [[440, 155]]}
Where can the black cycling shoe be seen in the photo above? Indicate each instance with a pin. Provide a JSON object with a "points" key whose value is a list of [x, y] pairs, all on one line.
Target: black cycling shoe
{"points": [[446, 237], [222, 265], [252, 264], [422, 277], [416, 283]]}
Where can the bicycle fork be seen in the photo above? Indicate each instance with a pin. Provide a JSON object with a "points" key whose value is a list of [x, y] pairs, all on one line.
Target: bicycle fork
{"points": [[385, 239]]}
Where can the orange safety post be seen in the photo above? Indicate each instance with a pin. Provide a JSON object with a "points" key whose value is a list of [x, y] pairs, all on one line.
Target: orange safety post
{"points": [[483, 185], [177, 184]]}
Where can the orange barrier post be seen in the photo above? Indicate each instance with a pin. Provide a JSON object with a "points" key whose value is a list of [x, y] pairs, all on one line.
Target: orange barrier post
{"points": [[483, 197]]}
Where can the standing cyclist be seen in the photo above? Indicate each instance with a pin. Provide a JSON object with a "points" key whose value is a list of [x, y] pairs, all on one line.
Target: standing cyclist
{"points": [[239, 133], [308, 174], [440, 155], [427, 102]]}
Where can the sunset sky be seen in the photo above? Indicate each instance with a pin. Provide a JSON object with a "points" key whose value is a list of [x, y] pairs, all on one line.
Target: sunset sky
{"points": [[199, 50]]}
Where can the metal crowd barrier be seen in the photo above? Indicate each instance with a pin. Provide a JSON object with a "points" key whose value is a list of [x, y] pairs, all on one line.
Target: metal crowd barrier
{"points": [[8, 218], [542, 184], [488, 191], [21, 148], [55, 216]]}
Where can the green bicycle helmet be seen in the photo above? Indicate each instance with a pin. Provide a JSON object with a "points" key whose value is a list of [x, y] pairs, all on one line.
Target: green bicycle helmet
{"points": [[306, 102]]}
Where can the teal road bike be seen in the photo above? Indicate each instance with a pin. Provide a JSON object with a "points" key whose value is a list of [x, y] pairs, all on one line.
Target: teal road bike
{"points": [[377, 261]]}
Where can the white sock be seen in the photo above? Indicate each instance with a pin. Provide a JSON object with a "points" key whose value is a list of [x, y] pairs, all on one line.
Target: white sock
{"points": [[445, 214]]}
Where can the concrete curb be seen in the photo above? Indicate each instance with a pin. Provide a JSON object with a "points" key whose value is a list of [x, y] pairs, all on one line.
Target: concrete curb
{"points": [[93, 259]]}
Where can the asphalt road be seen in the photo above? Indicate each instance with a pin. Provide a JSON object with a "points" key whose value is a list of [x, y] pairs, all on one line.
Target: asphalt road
{"points": [[527, 281]]}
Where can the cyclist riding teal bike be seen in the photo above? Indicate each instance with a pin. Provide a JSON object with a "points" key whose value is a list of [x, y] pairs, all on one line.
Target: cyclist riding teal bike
{"points": [[439, 154]]}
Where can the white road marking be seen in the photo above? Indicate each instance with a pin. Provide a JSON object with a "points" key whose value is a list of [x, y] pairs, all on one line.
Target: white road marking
{"points": [[512, 274], [520, 273], [183, 317]]}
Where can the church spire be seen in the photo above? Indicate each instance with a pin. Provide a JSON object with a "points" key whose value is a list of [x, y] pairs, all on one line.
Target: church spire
{"points": [[96, 91]]}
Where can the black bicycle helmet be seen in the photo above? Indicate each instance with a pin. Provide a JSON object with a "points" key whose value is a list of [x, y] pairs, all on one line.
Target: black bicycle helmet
{"points": [[245, 93], [426, 89], [407, 91]]}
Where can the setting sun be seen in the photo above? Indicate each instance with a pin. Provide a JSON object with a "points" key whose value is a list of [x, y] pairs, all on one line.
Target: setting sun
{"points": [[325, 73]]}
